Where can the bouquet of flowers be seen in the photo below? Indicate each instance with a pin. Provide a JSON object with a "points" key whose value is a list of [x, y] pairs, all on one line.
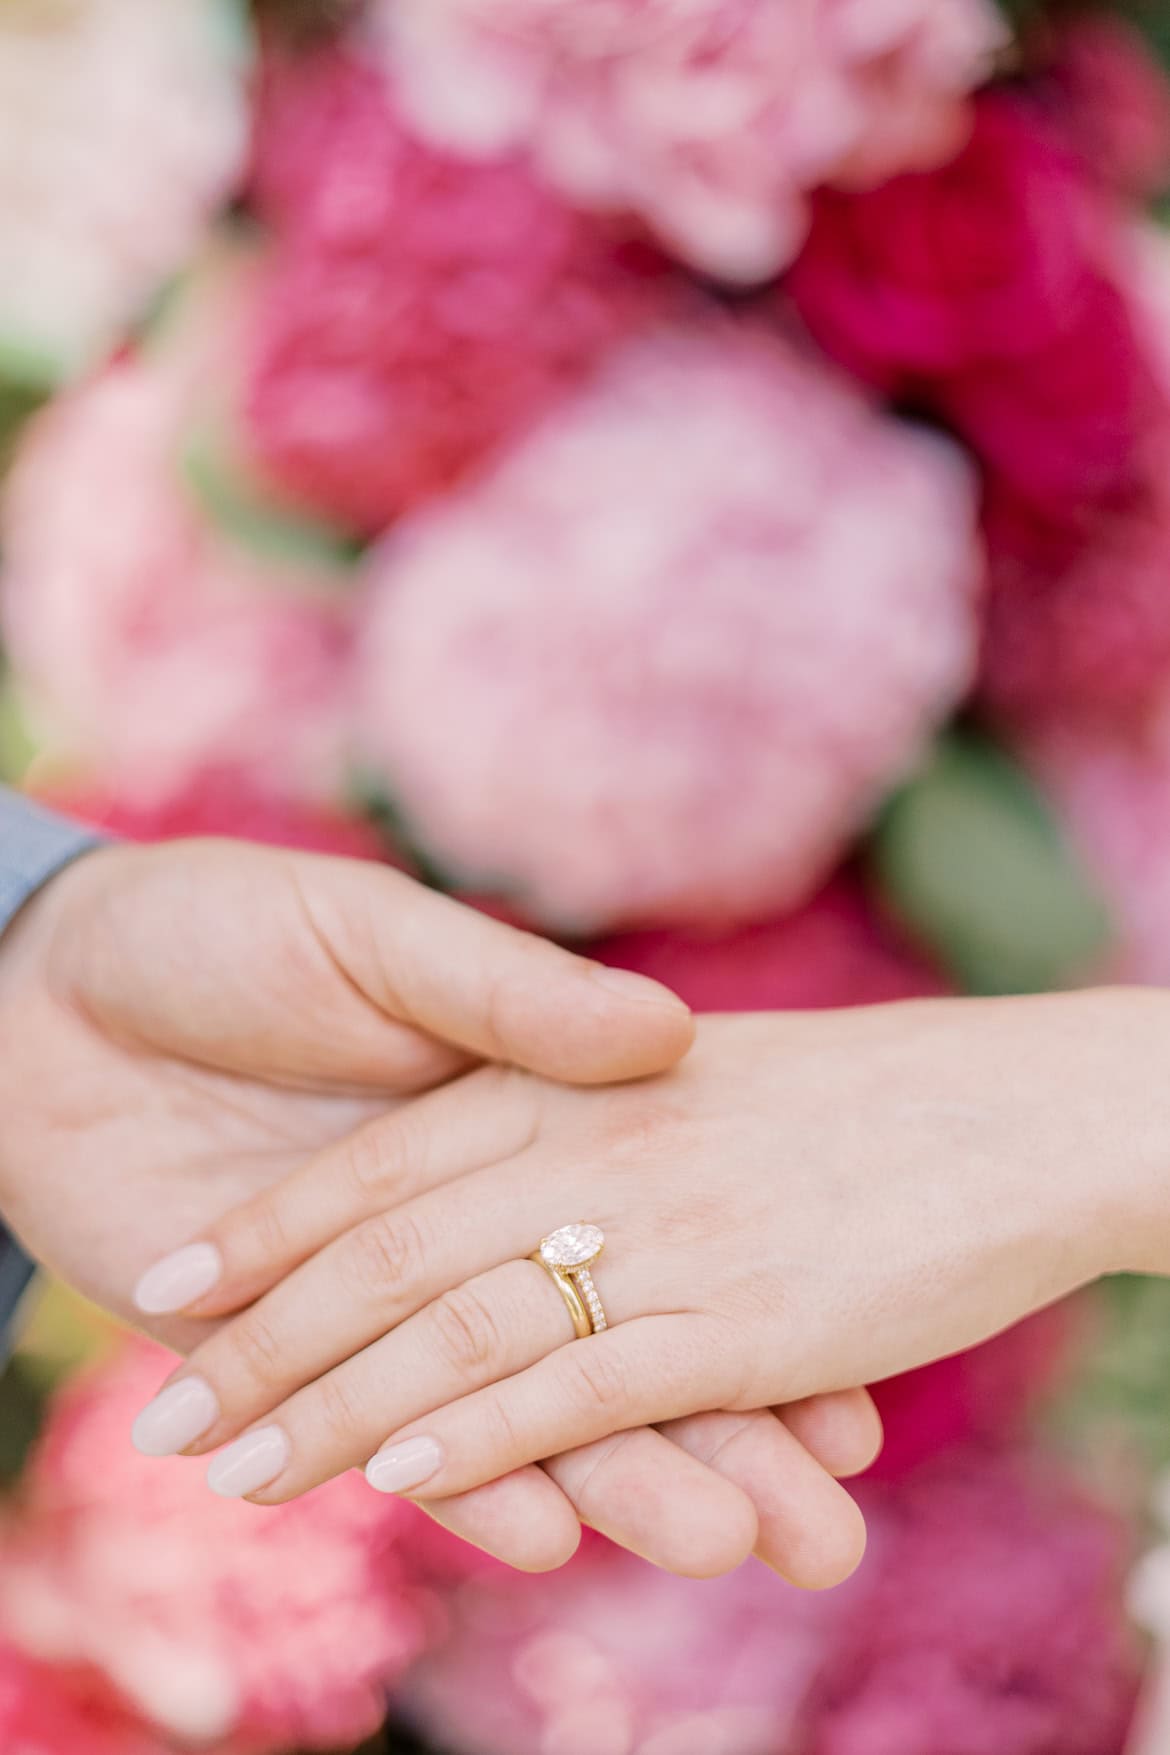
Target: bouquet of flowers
{"points": [[694, 475]]}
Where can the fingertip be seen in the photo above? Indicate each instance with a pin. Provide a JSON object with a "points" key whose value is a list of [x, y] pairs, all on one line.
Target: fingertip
{"points": [[637, 1028], [721, 1546], [842, 1430], [831, 1552], [522, 1520], [180, 1280]]}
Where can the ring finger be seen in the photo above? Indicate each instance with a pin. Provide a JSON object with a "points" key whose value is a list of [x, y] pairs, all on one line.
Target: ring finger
{"points": [[493, 1326]]}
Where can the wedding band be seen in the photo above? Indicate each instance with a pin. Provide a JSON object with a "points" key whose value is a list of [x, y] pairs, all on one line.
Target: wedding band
{"points": [[566, 1256]]}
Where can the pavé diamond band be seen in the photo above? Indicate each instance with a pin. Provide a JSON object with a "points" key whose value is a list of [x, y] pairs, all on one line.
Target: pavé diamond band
{"points": [[567, 1256]]}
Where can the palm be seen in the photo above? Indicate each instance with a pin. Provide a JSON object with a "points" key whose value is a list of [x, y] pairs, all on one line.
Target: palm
{"points": [[137, 1142], [139, 1153]]}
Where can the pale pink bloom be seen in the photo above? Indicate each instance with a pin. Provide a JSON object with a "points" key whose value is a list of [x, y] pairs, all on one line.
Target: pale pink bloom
{"points": [[660, 664], [212, 1618], [123, 127], [611, 1657], [151, 648], [711, 118]]}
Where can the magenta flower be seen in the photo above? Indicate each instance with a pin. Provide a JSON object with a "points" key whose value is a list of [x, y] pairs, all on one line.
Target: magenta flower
{"points": [[420, 308]]}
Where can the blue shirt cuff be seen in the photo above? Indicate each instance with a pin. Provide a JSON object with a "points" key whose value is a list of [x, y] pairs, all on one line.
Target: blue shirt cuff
{"points": [[34, 845]]}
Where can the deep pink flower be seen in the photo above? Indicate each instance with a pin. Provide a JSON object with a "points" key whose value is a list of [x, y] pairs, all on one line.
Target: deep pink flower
{"points": [[48, 1710], [988, 258], [1112, 97], [420, 308], [991, 292], [149, 647], [663, 661], [994, 1624], [711, 119], [211, 1619], [832, 952], [223, 802], [1078, 616]]}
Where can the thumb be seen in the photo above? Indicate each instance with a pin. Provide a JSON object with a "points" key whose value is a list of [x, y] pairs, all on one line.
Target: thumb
{"points": [[491, 991]]}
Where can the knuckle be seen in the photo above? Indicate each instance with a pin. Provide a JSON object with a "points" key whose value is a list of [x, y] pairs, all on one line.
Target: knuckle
{"points": [[597, 1380], [256, 1350], [649, 1126], [337, 1413], [502, 1433], [377, 1157], [467, 1333], [386, 1255], [262, 1237]]}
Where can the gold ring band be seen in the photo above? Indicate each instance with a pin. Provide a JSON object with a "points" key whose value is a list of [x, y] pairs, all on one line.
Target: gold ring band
{"points": [[567, 1256], [574, 1303]]}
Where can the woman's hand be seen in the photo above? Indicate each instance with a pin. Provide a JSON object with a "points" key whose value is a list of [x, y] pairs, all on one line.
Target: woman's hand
{"points": [[807, 1203], [184, 1027]]}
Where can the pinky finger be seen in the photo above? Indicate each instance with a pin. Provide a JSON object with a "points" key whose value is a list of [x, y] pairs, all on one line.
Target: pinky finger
{"points": [[523, 1519], [810, 1531], [843, 1430]]}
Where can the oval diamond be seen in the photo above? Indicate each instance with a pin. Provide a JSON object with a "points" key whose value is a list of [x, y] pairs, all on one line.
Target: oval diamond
{"points": [[573, 1246]]}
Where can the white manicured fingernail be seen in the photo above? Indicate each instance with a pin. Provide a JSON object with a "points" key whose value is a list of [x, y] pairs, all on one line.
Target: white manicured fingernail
{"points": [[178, 1280], [178, 1415], [252, 1462], [404, 1466]]}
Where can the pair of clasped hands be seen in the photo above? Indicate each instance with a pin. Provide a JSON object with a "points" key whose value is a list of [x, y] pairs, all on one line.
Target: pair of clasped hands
{"points": [[306, 1122]]}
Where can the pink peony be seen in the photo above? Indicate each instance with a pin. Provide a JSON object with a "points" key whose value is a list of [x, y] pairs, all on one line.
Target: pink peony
{"points": [[994, 1624], [661, 664], [712, 118], [420, 308], [836, 952], [123, 127], [209, 1618], [151, 649], [989, 293]]}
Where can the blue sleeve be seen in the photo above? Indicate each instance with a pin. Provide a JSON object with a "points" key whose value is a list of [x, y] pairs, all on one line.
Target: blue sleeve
{"points": [[34, 845]]}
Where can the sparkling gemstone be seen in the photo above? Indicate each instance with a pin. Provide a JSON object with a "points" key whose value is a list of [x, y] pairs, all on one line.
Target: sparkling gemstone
{"points": [[572, 1246]]}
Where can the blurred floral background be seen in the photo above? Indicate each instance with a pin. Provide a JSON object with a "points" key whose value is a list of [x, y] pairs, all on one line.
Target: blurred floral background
{"points": [[692, 476]]}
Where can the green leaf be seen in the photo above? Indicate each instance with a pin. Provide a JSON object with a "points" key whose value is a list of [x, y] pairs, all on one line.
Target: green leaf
{"points": [[238, 506], [973, 865]]}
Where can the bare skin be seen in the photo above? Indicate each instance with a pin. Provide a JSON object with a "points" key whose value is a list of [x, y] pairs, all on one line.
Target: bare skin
{"points": [[805, 1204], [188, 1027]]}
